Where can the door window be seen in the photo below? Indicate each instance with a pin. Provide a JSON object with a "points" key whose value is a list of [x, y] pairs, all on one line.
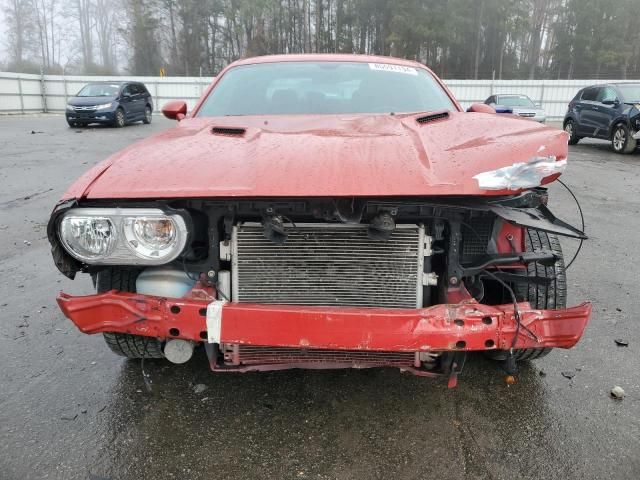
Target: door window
{"points": [[607, 94], [590, 94]]}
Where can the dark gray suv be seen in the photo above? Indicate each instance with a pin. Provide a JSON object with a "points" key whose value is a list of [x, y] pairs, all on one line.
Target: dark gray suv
{"points": [[609, 112]]}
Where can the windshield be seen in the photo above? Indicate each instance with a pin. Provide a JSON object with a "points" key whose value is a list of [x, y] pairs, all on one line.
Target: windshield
{"points": [[516, 101], [630, 93], [324, 88], [99, 90]]}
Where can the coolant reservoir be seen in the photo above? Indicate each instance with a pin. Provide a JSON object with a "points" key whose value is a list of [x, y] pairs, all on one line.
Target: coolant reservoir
{"points": [[164, 282]]}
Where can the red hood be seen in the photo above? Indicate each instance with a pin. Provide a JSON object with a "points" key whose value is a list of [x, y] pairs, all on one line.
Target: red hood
{"points": [[305, 156]]}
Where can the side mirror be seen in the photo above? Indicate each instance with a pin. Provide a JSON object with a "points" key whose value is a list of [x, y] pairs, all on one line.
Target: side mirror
{"points": [[481, 108], [611, 102], [175, 110]]}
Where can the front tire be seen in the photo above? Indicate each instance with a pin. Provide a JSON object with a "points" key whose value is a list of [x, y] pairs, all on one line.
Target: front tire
{"points": [[147, 115], [621, 140], [570, 128], [124, 344], [552, 296], [119, 120]]}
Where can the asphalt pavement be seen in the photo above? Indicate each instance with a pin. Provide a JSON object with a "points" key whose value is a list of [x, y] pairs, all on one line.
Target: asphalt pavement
{"points": [[70, 409]]}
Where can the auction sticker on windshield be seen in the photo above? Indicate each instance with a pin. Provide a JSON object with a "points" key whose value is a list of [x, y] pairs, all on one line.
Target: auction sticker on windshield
{"points": [[388, 67]]}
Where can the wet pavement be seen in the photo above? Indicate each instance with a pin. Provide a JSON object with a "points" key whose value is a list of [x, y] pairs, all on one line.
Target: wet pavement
{"points": [[70, 409]]}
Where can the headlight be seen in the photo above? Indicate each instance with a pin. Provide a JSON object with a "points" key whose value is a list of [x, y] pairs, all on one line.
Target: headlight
{"points": [[122, 236], [87, 237], [521, 175], [71, 108], [150, 237], [104, 106]]}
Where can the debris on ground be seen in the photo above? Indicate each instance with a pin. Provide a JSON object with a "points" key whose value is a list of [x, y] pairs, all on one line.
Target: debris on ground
{"points": [[199, 388], [69, 417], [618, 309], [27, 243], [617, 393], [621, 342], [542, 373], [568, 374]]}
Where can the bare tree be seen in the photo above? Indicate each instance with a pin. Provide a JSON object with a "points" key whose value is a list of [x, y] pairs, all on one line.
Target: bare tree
{"points": [[19, 22]]}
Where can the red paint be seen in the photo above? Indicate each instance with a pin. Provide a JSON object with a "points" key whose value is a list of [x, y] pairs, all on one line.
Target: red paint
{"points": [[508, 237], [319, 155], [347, 328], [481, 108], [176, 110]]}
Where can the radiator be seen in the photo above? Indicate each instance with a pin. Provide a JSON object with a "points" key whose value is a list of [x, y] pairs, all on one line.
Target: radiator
{"points": [[328, 265]]}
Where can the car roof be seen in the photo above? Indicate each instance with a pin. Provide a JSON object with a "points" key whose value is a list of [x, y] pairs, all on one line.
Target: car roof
{"points": [[115, 82], [107, 82], [327, 57]]}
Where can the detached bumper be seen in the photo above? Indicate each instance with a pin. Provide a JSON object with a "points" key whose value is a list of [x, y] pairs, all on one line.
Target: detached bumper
{"points": [[459, 327]]}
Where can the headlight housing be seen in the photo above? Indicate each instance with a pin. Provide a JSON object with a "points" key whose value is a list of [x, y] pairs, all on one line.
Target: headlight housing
{"points": [[122, 236], [104, 106], [71, 108], [521, 175]]}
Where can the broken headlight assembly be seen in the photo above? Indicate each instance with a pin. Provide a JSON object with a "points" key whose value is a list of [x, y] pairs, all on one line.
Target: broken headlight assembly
{"points": [[521, 175], [122, 236]]}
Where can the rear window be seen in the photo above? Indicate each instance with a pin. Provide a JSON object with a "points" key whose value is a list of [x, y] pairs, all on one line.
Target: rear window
{"points": [[324, 88]]}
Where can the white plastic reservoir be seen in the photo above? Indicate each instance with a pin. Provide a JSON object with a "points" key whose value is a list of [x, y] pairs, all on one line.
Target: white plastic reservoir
{"points": [[164, 282]]}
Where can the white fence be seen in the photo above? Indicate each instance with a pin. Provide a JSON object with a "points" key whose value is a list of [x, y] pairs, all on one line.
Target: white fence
{"points": [[24, 93]]}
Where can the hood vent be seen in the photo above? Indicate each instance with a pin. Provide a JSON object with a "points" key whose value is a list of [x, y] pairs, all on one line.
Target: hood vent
{"points": [[229, 131], [432, 117]]}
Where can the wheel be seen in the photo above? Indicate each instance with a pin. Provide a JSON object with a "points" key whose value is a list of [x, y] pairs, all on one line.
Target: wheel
{"points": [[119, 120], [124, 344], [147, 115], [621, 140], [570, 128], [544, 297]]}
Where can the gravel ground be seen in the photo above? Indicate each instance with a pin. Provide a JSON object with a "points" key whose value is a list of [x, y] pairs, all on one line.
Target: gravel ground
{"points": [[69, 409]]}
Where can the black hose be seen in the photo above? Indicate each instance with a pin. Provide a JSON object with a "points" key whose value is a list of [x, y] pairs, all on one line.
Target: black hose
{"points": [[581, 221]]}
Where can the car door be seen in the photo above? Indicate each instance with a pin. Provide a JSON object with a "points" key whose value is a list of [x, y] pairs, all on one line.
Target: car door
{"points": [[587, 113], [127, 102], [138, 100], [607, 111]]}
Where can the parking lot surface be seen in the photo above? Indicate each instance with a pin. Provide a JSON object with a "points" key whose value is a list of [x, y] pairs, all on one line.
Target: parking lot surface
{"points": [[70, 409]]}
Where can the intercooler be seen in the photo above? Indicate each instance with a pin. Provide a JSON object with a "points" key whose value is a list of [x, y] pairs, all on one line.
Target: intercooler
{"points": [[329, 265], [237, 355]]}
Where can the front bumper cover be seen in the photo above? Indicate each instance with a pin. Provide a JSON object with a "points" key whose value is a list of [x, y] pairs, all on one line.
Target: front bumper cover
{"points": [[466, 326], [98, 116]]}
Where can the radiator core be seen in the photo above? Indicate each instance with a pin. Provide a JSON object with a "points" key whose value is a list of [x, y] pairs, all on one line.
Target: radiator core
{"points": [[329, 265]]}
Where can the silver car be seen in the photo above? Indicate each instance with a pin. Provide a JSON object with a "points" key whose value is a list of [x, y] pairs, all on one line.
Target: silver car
{"points": [[518, 105]]}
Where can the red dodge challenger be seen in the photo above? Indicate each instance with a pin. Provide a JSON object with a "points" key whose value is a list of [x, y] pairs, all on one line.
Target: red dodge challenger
{"points": [[324, 211]]}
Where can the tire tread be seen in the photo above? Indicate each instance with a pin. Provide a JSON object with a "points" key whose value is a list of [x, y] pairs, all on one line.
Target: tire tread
{"points": [[125, 344]]}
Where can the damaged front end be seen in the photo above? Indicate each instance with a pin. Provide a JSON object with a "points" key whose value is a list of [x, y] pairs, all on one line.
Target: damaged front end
{"points": [[412, 283]]}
